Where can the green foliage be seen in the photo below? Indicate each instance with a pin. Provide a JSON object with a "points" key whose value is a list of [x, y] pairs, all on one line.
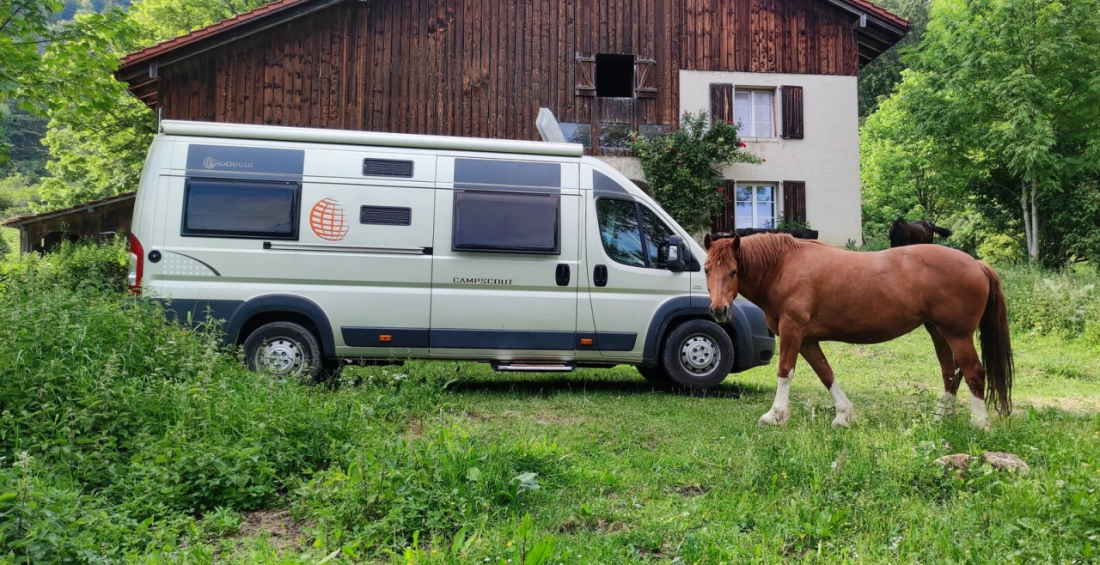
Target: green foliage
{"points": [[1009, 86], [878, 78], [22, 132], [684, 167], [905, 173], [1000, 249], [72, 266], [440, 483], [1065, 303]]}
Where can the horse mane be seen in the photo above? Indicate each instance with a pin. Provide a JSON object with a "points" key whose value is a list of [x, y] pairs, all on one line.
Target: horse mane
{"points": [[761, 251]]}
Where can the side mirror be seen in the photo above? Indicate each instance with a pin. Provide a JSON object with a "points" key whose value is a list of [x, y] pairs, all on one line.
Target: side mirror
{"points": [[676, 253]]}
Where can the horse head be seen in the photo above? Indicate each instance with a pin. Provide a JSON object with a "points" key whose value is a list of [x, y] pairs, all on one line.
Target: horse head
{"points": [[721, 270]]}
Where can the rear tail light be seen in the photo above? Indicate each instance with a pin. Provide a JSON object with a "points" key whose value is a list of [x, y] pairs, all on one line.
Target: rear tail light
{"points": [[137, 265]]}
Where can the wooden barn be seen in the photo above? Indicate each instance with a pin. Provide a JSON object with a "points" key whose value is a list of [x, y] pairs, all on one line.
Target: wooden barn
{"points": [[483, 68]]}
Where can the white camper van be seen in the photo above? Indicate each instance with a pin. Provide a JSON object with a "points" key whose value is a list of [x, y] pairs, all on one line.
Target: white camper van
{"points": [[320, 247]]}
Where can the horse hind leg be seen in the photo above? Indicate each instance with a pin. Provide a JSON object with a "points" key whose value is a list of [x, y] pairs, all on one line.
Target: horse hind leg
{"points": [[949, 372], [845, 412], [966, 357]]}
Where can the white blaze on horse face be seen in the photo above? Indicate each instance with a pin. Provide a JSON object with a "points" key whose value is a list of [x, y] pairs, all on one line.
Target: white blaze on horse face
{"points": [[978, 414], [780, 411], [945, 405], [845, 412]]}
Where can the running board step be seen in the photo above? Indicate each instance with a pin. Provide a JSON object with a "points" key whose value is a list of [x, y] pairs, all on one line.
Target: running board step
{"points": [[527, 367]]}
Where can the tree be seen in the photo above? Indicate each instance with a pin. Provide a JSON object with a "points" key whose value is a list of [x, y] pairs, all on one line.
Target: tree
{"points": [[878, 79], [24, 25], [684, 167], [904, 171], [1013, 84], [99, 132]]}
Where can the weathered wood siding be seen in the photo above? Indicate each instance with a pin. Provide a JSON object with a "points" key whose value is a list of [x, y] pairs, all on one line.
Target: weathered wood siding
{"points": [[484, 67]]}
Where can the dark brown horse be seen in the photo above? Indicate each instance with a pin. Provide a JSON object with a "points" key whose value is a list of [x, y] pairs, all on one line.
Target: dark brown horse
{"points": [[911, 233], [811, 292]]}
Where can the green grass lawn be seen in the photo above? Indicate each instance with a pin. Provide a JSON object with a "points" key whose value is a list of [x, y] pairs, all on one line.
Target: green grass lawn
{"points": [[124, 438], [637, 476]]}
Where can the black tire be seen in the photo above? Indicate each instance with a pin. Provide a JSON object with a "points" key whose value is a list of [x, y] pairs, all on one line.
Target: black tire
{"points": [[658, 377], [698, 354], [290, 349]]}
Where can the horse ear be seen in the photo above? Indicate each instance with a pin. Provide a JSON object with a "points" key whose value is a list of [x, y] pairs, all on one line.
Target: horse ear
{"points": [[707, 241], [736, 243]]}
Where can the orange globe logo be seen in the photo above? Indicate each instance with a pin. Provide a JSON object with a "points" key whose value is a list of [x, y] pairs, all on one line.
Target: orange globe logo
{"points": [[326, 219]]}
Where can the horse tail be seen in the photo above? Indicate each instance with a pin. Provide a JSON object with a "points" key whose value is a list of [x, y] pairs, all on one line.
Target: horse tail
{"points": [[942, 232], [996, 346]]}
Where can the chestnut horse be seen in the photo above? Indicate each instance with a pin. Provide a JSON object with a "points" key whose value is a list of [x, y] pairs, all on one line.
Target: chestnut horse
{"points": [[905, 233], [811, 292]]}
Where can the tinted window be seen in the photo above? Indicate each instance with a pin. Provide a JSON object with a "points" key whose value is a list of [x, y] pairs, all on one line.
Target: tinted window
{"points": [[656, 238], [472, 173], [218, 207], [506, 221], [619, 231]]}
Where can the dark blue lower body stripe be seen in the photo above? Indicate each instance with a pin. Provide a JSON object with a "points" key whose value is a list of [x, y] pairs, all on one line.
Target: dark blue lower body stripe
{"points": [[485, 339], [501, 339], [399, 337]]}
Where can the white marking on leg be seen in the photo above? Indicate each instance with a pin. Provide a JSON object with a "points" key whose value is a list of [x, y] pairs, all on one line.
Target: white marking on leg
{"points": [[780, 411], [945, 405], [845, 412], [978, 414]]}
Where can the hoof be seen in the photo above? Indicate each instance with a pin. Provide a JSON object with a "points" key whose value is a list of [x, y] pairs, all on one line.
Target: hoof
{"points": [[844, 419], [981, 423], [772, 418]]}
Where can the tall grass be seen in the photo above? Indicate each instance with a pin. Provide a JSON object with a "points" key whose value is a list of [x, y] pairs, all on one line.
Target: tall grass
{"points": [[119, 430], [125, 437]]}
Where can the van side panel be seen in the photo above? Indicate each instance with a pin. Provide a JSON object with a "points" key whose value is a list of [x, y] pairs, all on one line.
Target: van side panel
{"points": [[506, 303]]}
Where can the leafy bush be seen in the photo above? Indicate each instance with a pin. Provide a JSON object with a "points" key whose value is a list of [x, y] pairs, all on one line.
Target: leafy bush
{"points": [[1000, 249], [1066, 303], [684, 167], [73, 266]]}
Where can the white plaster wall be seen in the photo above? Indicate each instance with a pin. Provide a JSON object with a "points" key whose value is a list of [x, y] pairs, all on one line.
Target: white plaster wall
{"points": [[827, 159]]}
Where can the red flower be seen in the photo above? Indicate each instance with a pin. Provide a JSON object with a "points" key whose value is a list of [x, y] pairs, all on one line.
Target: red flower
{"points": [[763, 160], [632, 139], [721, 190], [730, 122], [672, 150], [741, 144]]}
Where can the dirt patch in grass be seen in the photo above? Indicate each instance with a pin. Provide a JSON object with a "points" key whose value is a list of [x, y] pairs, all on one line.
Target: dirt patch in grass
{"points": [[281, 529], [415, 429], [574, 526], [691, 491]]}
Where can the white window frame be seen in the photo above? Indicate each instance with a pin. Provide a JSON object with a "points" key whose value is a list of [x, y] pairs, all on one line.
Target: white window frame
{"points": [[752, 186], [750, 129]]}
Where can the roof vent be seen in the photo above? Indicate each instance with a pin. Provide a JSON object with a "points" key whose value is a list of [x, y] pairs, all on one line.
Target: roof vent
{"points": [[387, 168]]}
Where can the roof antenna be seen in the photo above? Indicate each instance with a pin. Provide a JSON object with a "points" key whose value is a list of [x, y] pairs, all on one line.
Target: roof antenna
{"points": [[548, 127]]}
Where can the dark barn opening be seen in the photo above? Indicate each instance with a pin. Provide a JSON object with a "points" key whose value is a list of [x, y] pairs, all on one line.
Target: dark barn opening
{"points": [[614, 75]]}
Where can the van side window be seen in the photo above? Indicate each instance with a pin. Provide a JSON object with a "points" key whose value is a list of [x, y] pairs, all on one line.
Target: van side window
{"points": [[656, 238], [619, 231], [508, 222], [633, 234], [239, 208]]}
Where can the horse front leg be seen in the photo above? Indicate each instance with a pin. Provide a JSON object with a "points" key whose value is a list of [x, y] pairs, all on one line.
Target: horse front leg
{"points": [[845, 412], [790, 342]]}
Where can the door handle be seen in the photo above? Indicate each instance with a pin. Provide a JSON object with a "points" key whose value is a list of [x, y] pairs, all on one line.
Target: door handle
{"points": [[599, 275], [562, 274]]}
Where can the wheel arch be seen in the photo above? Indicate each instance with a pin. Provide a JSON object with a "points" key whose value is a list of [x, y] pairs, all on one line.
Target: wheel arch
{"points": [[281, 308], [744, 317]]}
